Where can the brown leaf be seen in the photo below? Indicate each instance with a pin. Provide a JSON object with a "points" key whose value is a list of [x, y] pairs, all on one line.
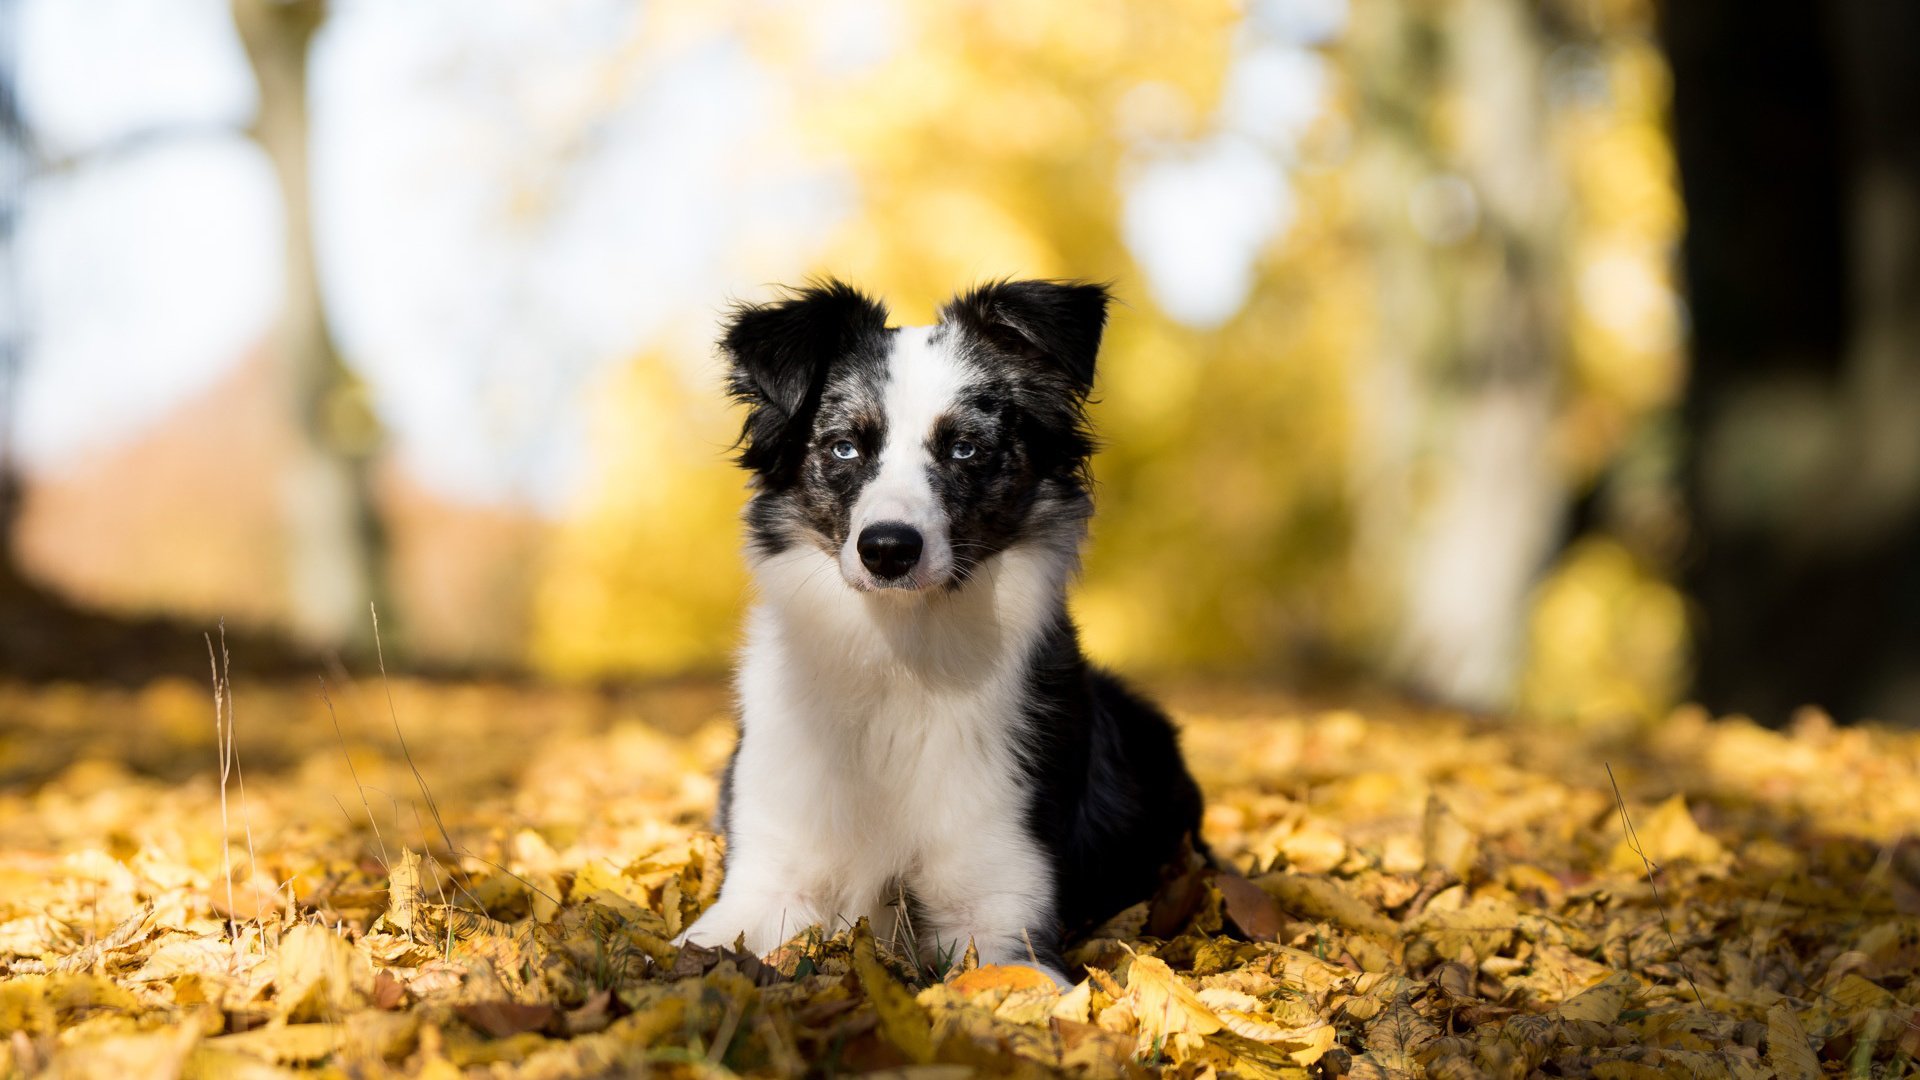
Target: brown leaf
{"points": [[388, 993], [1251, 910], [503, 1018], [1182, 891], [590, 1017]]}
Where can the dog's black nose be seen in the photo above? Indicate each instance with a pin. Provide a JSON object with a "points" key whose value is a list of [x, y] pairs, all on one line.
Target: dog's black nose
{"points": [[889, 549]]}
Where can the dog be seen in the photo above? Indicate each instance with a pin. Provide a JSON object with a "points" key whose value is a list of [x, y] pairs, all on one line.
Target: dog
{"points": [[921, 738]]}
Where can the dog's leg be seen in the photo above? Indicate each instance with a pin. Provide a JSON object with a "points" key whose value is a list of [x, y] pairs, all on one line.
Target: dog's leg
{"points": [[994, 890], [781, 879], [787, 867]]}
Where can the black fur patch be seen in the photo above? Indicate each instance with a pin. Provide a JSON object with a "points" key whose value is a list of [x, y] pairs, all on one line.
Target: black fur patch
{"points": [[779, 356], [1045, 336], [1112, 797]]}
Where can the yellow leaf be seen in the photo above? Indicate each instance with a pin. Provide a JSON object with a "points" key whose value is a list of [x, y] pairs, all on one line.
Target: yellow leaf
{"points": [[1308, 973], [1031, 1006], [285, 1044], [902, 1021], [1318, 1042], [1788, 1049], [1165, 1007], [1318, 898], [1118, 1018], [1261, 1029], [158, 1053], [1219, 998], [1600, 1003], [318, 975], [1853, 994], [1445, 841], [403, 892], [1669, 834], [1076, 1004]]}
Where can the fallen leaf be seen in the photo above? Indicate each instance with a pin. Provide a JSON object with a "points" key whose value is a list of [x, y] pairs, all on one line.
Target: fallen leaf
{"points": [[1789, 1050], [1668, 835], [1600, 1003], [318, 974], [1165, 1008], [1248, 907], [1446, 843], [1000, 977], [403, 893], [902, 1020], [1319, 898], [288, 1044], [1076, 1004], [388, 993], [503, 1018]]}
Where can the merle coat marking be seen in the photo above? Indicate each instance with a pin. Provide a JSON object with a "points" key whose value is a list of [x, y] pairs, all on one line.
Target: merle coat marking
{"points": [[919, 728]]}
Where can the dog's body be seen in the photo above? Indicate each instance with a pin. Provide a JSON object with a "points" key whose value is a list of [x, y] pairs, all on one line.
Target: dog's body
{"points": [[920, 734]]}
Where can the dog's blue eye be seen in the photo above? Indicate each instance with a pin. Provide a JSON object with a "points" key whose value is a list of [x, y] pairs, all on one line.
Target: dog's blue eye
{"points": [[845, 450], [963, 450]]}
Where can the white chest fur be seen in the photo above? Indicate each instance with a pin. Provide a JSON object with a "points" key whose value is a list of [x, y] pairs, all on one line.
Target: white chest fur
{"points": [[880, 749]]}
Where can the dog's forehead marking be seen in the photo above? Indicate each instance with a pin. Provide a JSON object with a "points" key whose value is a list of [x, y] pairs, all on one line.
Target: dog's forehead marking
{"points": [[925, 379]]}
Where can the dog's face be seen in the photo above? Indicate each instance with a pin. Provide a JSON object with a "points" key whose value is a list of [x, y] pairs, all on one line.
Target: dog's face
{"points": [[912, 455]]}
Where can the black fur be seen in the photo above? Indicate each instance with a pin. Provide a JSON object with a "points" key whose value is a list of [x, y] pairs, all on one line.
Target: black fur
{"points": [[779, 356], [1049, 332], [1112, 797]]}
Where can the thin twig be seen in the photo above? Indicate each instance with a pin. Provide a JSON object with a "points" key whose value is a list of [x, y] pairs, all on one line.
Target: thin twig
{"points": [[239, 774], [1633, 844], [426, 793], [387, 684], [226, 829], [385, 862]]}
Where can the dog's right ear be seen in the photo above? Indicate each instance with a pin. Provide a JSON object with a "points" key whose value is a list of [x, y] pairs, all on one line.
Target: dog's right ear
{"points": [[778, 355]]}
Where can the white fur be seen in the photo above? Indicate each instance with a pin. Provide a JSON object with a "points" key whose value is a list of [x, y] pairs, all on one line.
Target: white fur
{"points": [[880, 729]]}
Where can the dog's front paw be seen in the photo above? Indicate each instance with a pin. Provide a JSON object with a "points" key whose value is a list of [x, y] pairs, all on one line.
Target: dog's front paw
{"points": [[713, 930]]}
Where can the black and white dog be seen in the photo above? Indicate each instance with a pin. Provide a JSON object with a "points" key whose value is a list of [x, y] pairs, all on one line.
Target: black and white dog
{"points": [[919, 729]]}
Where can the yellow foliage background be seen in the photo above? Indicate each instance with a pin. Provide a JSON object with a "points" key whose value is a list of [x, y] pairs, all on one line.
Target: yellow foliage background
{"points": [[996, 141]]}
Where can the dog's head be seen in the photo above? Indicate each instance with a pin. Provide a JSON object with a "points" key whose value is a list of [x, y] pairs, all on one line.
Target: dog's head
{"points": [[911, 455]]}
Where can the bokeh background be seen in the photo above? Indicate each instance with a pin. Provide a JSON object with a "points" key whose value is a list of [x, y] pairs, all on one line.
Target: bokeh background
{"points": [[1557, 356]]}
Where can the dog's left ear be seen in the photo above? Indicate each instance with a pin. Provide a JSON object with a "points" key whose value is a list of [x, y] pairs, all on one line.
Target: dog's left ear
{"points": [[778, 355], [1052, 323]]}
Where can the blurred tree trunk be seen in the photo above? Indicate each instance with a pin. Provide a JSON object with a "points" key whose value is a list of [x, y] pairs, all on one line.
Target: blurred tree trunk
{"points": [[1797, 127], [16, 157], [1458, 501], [336, 550]]}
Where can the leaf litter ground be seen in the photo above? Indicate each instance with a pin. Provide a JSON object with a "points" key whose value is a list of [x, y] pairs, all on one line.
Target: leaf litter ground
{"points": [[1403, 893]]}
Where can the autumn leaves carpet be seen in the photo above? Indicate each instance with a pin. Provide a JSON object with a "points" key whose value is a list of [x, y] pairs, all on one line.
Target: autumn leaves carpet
{"points": [[1410, 894]]}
